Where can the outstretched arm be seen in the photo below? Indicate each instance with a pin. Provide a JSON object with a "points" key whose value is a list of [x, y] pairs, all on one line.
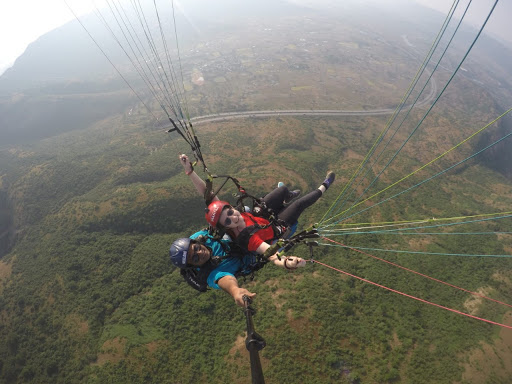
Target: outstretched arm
{"points": [[194, 177], [230, 285]]}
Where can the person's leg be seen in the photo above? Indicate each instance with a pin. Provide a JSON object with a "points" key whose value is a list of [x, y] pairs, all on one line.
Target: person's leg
{"points": [[329, 179], [292, 195], [290, 215], [274, 200]]}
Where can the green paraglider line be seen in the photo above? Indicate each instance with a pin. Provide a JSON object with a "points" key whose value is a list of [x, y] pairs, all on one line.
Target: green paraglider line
{"points": [[417, 273], [397, 110], [416, 252], [433, 104], [332, 233], [398, 230], [426, 180], [404, 119]]}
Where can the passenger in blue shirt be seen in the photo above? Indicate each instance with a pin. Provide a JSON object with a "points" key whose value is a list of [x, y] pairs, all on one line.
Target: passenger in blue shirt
{"points": [[206, 261]]}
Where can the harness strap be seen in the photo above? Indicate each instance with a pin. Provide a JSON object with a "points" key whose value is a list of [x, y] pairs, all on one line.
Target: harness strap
{"points": [[245, 235], [195, 279]]}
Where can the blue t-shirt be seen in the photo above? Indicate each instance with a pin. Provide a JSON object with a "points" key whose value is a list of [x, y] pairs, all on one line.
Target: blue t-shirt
{"points": [[228, 266]]}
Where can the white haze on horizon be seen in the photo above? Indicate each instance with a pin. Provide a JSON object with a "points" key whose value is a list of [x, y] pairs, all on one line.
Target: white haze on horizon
{"points": [[24, 21], [498, 24]]}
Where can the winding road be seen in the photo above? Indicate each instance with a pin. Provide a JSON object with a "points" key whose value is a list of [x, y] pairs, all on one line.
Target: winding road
{"points": [[310, 112]]}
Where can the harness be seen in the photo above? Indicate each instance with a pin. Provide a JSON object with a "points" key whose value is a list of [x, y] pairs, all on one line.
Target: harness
{"points": [[259, 209], [197, 277], [279, 229]]}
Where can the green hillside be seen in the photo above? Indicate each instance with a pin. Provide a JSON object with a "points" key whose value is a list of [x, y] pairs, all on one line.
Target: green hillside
{"points": [[91, 203], [88, 294]]}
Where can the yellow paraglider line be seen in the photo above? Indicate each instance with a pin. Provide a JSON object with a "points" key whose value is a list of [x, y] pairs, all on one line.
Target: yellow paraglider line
{"points": [[398, 108], [422, 167]]}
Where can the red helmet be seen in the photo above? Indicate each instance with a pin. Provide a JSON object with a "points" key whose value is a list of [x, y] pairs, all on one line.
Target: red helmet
{"points": [[214, 210]]}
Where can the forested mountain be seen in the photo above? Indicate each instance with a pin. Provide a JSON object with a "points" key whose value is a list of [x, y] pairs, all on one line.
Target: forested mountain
{"points": [[92, 194]]}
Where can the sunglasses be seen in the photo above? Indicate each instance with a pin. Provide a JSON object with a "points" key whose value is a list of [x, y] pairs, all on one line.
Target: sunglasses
{"points": [[194, 253], [230, 212]]}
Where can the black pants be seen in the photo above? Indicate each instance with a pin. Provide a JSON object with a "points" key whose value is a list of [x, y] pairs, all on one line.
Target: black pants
{"points": [[291, 213]]}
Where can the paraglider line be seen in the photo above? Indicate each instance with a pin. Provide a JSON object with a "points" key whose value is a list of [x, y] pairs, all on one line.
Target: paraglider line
{"points": [[442, 91], [414, 297], [402, 122], [425, 226], [418, 252], [432, 161], [142, 74], [179, 60], [407, 222], [419, 233], [416, 272], [398, 109], [110, 61], [424, 181]]}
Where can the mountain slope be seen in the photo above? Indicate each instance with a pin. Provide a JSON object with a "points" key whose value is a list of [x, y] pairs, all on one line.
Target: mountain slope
{"points": [[86, 290]]}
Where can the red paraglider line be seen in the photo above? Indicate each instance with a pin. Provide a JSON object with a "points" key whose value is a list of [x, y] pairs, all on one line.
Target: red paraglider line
{"points": [[418, 273], [414, 297]]}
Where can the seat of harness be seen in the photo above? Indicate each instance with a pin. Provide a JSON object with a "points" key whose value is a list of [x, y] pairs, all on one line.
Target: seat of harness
{"points": [[243, 240]]}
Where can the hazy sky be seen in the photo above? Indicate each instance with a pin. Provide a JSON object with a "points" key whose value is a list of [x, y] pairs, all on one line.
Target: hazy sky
{"points": [[23, 21], [498, 24]]}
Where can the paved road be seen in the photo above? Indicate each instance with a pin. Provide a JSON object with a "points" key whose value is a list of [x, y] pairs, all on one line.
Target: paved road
{"points": [[296, 112], [310, 112]]}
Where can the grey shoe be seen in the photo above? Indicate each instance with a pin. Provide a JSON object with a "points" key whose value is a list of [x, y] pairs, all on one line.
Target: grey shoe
{"points": [[291, 195]]}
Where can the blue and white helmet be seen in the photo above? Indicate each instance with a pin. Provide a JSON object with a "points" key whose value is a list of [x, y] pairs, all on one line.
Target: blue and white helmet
{"points": [[179, 252]]}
